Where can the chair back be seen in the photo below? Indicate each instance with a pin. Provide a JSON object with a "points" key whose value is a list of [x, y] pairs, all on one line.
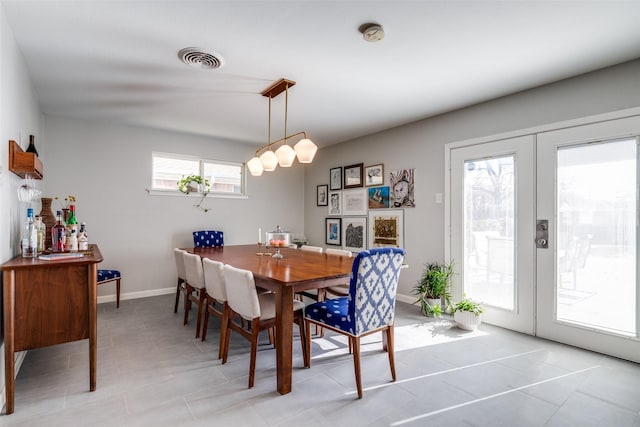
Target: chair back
{"points": [[177, 253], [308, 248], [208, 239], [193, 267], [342, 252], [214, 279], [372, 289], [242, 296]]}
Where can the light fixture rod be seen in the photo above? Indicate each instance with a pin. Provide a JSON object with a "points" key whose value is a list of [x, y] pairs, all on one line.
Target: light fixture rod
{"points": [[286, 138], [286, 110]]}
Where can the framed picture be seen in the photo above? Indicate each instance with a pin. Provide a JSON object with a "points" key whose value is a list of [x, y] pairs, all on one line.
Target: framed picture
{"points": [[401, 183], [354, 234], [354, 202], [374, 175], [335, 203], [378, 197], [353, 176], [335, 178], [332, 231], [386, 229], [322, 194]]}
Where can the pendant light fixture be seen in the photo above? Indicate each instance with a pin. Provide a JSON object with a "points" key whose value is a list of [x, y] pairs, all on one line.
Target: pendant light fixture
{"points": [[265, 159]]}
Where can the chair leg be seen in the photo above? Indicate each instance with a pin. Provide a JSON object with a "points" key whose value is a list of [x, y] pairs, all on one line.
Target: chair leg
{"points": [[201, 301], [392, 364], [355, 341], [223, 329], [255, 331], [299, 318], [117, 293], [205, 324], [175, 308], [227, 339], [307, 342], [187, 303]]}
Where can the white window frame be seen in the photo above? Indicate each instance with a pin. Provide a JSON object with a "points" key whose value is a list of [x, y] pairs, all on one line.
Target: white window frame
{"points": [[201, 165]]}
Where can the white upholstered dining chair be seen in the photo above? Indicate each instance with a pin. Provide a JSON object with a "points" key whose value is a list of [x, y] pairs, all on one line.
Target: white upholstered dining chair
{"points": [[194, 287], [215, 299], [182, 277], [309, 248], [258, 310]]}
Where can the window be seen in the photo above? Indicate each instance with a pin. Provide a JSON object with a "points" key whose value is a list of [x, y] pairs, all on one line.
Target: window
{"points": [[226, 178]]}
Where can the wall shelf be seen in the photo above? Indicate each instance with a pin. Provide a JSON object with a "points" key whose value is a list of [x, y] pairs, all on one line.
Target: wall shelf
{"points": [[22, 163]]}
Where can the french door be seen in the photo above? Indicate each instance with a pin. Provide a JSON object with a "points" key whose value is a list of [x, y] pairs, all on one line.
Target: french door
{"points": [[492, 207], [544, 231], [587, 292]]}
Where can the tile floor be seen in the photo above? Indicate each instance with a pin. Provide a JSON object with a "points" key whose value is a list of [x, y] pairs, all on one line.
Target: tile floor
{"points": [[152, 372]]}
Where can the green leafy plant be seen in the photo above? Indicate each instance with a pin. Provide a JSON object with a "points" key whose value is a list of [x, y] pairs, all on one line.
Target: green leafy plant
{"points": [[467, 304], [435, 283], [186, 186]]}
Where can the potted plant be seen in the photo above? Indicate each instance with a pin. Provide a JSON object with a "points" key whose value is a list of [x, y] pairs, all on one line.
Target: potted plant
{"points": [[467, 314], [433, 288], [195, 184]]}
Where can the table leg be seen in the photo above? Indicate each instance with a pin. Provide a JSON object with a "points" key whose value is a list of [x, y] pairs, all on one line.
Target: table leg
{"points": [[284, 338], [93, 325], [9, 334]]}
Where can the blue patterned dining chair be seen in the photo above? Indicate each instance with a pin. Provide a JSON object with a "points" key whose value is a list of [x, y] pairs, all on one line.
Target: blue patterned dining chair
{"points": [[369, 307], [208, 239]]}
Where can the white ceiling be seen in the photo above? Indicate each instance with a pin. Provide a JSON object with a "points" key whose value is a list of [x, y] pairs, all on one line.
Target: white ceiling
{"points": [[117, 60]]}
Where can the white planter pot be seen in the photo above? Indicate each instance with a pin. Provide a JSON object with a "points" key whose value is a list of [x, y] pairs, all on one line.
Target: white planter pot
{"points": [[467, 320], [434, 302]]}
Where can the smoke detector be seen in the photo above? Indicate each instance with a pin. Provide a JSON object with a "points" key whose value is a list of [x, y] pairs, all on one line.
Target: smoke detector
{"points": [[372, 32], [195, 57]]}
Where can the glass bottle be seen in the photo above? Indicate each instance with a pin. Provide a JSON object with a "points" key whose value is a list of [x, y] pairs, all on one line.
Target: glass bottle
{"points": [[42, 232], [72, 216], [83, 240], [29, 237], [58, 234], [32, 146]]}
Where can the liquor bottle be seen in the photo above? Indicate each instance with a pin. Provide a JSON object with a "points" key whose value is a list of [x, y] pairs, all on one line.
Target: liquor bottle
{"points": [[72, 220], [29, 237], [83, 240], [72, 240], [41, 231], [32, 146], [58, 234]]}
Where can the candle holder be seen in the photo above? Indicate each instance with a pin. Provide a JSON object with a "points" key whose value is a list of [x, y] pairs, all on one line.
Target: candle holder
{"points": [[277, 254], [260, 252]]}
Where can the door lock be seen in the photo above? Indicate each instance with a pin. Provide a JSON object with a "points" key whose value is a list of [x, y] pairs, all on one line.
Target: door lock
{"points": [[542, 233]]}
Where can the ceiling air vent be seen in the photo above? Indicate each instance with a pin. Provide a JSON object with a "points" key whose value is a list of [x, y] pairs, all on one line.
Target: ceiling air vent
{"points": [[197, 58]]}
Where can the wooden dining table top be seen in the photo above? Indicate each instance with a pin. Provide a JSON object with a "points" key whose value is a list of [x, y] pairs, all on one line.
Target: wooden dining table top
{"points": [[300, 269]]}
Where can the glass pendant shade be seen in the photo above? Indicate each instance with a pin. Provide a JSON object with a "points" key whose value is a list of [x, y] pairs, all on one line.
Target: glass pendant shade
{"points": [[286, 155], [255, 166], [269, 160], [305, 150]]}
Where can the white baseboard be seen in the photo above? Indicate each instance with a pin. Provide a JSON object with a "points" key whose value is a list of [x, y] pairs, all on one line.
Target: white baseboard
{"points": [[406, 298], [136, 295]]}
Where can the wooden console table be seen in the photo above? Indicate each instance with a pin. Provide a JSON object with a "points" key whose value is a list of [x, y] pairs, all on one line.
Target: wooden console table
{"points": [[48, 302]]}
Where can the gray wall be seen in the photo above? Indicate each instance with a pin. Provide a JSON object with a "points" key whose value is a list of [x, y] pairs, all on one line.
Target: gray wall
{"points": [[108, 168], [19, 117], [420, 145]]}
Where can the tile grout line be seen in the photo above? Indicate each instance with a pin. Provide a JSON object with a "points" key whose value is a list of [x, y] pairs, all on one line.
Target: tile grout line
{"points": [[446, 371], [492, 396]]}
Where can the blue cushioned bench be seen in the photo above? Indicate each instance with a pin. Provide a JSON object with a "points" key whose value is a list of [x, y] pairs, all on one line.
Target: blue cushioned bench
{"points": [[106, 276]]}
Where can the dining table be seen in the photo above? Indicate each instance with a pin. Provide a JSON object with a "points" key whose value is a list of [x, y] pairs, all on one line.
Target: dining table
{"points": [[294, 272]]}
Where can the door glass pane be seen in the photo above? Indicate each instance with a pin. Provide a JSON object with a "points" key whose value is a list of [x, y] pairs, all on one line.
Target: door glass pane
{"points": [[596, 232], [489, 205]]}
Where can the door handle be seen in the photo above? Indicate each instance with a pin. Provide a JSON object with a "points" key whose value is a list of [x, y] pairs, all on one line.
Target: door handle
{"points": [[542, 233]]}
